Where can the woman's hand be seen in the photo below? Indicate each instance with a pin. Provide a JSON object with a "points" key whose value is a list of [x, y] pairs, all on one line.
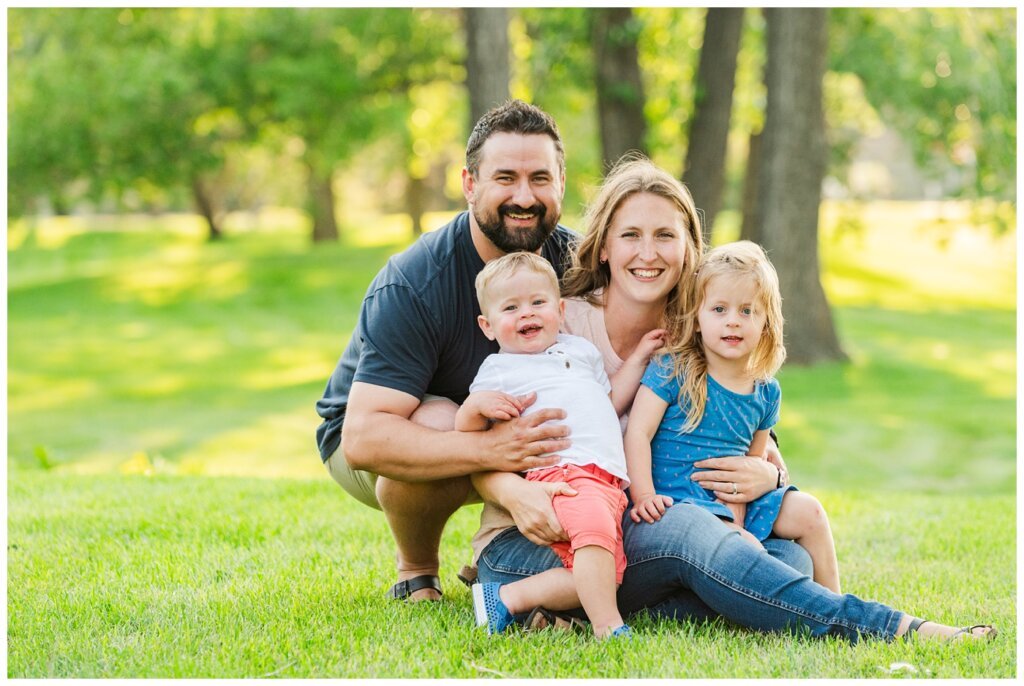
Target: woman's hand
{"points": [[773, 455], [650, 508], [738, 479]]}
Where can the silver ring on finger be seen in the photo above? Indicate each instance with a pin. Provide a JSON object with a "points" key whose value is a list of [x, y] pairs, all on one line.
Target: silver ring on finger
{"points": [[735, 490]]}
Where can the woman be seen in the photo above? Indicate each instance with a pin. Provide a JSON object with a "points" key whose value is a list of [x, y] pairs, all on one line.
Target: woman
{"points": [[629, 276]]}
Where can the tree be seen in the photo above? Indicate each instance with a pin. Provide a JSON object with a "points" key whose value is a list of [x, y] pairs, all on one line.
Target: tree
{"points": [[790, 174], [704, 168], [620, 91], [487, 58], [336, 79], [945, 79], [95, 104]]}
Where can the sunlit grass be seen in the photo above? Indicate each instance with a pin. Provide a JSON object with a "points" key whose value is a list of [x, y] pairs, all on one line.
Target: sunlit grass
{"points": [[133, 576], [207, 358]]}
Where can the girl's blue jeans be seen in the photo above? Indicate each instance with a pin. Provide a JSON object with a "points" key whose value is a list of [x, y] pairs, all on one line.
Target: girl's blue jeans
{"points": [[689, 565]]}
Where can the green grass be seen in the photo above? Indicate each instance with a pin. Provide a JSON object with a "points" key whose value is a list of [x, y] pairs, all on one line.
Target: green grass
{"points": [[153, 377], [122, 576]]}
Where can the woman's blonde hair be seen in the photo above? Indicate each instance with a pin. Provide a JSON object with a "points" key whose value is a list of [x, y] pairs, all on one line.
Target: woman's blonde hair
{"points": [[631, 175], [690, 363]]}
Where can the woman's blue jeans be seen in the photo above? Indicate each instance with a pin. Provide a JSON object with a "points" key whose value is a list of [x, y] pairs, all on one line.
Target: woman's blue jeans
{"points": [[689, 565]]}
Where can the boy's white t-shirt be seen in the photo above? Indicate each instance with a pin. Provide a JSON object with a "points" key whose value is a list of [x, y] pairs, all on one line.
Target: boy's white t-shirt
{"points": [[569, 375]]}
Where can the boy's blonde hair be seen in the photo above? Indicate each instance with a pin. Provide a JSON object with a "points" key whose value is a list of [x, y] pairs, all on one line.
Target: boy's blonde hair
{"points": [[690, 363], [506, 266]]}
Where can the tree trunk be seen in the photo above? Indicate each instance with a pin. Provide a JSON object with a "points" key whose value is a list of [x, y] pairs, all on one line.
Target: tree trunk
{"points": [[487, 58], [750, 229], [321, 200], [620, 91], [204, 203], [704, 168], [791, 171], [416, 202]]}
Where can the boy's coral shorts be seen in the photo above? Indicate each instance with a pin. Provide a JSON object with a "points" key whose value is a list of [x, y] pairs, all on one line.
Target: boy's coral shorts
{"points": [[591, 517]]}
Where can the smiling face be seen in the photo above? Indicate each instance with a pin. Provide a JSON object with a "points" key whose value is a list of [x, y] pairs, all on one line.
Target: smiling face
{"points": [[731, 319], [522, 311], [515, 198], [645, 249]]}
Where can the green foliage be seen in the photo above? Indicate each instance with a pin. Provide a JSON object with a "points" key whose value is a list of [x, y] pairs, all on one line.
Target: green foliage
{"points": [[945, 78]]}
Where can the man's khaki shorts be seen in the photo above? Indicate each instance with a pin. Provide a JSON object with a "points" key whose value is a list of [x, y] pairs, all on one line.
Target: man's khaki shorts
{"points": [[363, 485], [359, 484]]}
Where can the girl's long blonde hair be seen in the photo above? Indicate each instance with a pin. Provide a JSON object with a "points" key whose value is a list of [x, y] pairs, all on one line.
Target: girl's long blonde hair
{"points": [[685, 344], [632, 174]]}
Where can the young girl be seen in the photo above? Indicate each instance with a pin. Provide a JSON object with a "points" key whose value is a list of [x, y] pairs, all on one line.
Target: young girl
{"points": [[713, 395]]}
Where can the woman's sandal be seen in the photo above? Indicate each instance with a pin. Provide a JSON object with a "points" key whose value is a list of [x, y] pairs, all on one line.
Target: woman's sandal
{"points": [[403, 589], [959, 634], [542, 618]]}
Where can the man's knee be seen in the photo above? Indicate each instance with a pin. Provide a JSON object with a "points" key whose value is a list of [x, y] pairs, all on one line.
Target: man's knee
{"points": [[359, 484]]}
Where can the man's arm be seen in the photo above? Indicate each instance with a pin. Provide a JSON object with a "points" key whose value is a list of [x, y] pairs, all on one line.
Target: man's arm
{"points": [[379, 437]]}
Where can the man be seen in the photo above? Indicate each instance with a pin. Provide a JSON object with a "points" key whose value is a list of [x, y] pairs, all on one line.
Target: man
{"points": [[389, 408]]}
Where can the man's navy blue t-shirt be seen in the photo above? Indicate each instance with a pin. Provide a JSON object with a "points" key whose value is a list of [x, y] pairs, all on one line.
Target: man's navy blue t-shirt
{"points": [[417, 330]]}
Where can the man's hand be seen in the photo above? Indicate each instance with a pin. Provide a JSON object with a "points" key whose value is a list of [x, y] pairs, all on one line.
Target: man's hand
{"points": [[530, 507], [527, 442]]}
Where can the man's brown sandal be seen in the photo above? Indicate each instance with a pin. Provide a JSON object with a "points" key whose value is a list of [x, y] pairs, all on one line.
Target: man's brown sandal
{"points": [[403, 589]]}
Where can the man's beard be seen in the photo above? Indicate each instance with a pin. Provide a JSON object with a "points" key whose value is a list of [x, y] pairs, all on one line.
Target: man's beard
{"points": [[513, 240]]}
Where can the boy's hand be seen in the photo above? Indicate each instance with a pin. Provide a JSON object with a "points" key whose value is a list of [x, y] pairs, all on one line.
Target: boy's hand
{"points": [[495, 405], [650, 508], [651, 341]]}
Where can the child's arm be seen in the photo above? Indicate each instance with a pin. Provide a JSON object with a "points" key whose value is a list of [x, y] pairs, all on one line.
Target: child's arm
{"points": [[626, 381], [759, 444], [480, 408], [648, 409]]}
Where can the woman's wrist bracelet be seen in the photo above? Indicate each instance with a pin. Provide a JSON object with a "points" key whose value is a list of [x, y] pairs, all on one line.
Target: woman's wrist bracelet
{"points": [[778, 483]]}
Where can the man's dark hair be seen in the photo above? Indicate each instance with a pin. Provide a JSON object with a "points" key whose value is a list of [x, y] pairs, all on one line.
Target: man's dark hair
{"points": [[515, 116]]}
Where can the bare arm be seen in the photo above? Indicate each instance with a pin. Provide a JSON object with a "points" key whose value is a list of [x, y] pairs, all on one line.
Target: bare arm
{"points": [[626, 381], [648, 410], [378, 436]]}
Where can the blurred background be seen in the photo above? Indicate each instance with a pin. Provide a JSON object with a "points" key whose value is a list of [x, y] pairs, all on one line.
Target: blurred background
{"points": [[198, 198]]}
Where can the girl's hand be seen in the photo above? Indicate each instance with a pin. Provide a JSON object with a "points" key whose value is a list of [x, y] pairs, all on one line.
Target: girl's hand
{"points": [[651, 341], [738, 479], [650, 508]]}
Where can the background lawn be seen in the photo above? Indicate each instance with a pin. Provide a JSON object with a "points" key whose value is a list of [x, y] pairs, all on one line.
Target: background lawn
{"points": [[153, 378]]}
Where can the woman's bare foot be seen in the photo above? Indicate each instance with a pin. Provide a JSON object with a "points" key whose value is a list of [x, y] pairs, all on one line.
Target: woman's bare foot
{"points": [[933, 630]]}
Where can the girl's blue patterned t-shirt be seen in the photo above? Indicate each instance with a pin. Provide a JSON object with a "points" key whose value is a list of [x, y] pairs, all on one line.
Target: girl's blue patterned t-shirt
{"points": [[727, 427]]}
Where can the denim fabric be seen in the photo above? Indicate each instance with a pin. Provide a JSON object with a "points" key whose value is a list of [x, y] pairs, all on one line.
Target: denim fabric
{"points": [[689, 565]]}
